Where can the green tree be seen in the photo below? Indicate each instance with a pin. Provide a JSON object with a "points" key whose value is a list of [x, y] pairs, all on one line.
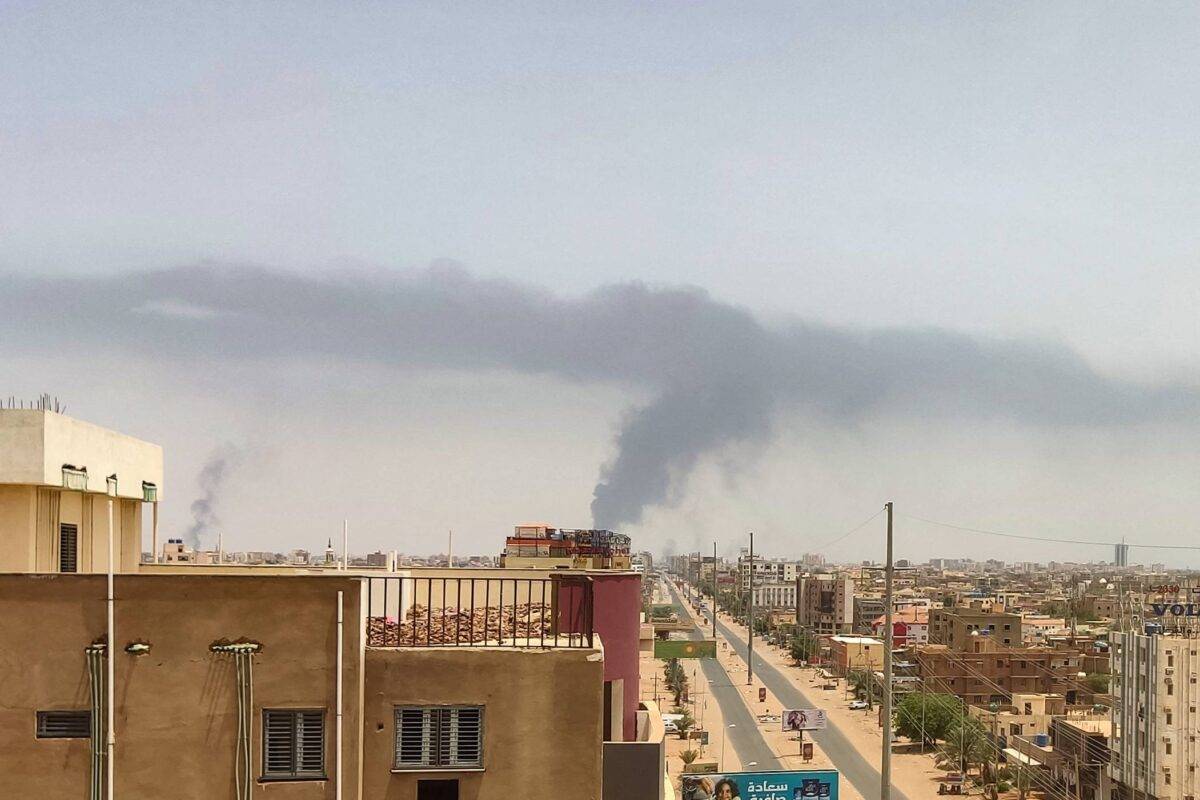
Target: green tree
{"points": [[804, 646], [1097, 682], [966, 745], [860, 684], [685, 722], [927, 716], [676, 679], [688, 756]]}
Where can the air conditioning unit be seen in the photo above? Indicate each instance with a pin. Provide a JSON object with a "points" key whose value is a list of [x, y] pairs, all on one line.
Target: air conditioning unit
{"points": [[1169, 671]]}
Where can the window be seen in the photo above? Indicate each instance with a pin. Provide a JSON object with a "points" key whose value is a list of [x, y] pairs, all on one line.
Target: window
{"points": [[1170, 689], [437, 790], [1170, 659], [64, 724], [1168, 744], [293, 744], [68, 548], [1169, 717], [439, 737]]}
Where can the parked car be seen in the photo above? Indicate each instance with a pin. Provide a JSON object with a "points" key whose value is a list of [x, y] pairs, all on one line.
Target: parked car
{"points": [[858, 705]]}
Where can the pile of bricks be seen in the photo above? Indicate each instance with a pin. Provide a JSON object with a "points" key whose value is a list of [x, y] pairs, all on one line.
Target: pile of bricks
{"points": [[448, 626]]}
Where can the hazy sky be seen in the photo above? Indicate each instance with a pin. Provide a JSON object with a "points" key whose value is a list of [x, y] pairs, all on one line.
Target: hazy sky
{"points": [[865, 172]]}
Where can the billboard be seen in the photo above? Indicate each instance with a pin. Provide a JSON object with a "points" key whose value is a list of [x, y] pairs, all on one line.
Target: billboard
{"points": [[805, 784], [685, 648], [804, 719]]}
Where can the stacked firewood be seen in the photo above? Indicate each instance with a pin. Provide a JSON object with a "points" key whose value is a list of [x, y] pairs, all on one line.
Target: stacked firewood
{"points": [[422, 627]]}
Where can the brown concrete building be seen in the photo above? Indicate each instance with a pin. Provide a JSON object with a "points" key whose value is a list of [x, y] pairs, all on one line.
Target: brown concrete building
{"points": [[500, 718], [235, 681], [958, 627], [991, 673], [825, 604]]}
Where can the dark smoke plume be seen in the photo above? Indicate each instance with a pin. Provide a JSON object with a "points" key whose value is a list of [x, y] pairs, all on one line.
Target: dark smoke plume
{"points": [[211, 480], [715, 373]]}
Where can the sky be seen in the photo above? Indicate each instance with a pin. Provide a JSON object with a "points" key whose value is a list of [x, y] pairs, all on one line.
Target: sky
{"points": [[820, 256]]}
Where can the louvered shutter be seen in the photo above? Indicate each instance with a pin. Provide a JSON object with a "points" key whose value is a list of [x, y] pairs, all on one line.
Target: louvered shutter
{"points": [[310, 743], [68, 548], [438, 736], [466, 748], [64, 724], [414, 737], [279, 745]]}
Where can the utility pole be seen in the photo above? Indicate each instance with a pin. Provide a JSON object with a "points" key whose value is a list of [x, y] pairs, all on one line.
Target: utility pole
{"points": [[750, 619], [714, 587], [885, 772]]}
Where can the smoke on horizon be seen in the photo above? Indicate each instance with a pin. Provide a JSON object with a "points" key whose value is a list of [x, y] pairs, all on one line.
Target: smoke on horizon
{"points": [[211, 481], [716, 374]]}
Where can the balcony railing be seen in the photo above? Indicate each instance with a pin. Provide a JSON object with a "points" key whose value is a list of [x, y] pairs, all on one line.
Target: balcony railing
{"points": [[480, 612]]}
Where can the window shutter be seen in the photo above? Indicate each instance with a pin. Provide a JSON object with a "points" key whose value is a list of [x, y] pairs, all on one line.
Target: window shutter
{"points": [[414, 734], [467, 749], [278, 745], [310, 742], [439, 736], [68, 548], [64, 724]]}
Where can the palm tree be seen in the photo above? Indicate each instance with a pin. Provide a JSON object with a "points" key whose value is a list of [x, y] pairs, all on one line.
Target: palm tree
{"points": [[966, 745], [685, 722], [688, 756]]}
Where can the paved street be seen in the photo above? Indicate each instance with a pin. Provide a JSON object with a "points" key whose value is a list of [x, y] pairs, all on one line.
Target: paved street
{"points": [[745, 738], [854, 767]]}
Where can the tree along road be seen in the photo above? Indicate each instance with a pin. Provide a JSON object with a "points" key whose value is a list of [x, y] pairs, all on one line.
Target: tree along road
{"points": [[844, 755], [745, 738]]}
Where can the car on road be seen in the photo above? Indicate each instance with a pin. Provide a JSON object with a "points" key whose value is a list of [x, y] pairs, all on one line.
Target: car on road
{"points": [[858, 705]]}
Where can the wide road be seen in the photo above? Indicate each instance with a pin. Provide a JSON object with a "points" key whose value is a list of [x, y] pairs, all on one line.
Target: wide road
{"points": [[844, 755], [745, 738]]}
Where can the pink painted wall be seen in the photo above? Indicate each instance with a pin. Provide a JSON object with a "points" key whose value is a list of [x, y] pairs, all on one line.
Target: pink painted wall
{"points": [[616, 618]]}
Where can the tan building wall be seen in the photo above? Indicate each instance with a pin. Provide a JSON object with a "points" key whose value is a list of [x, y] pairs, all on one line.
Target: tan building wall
{"points": [[34, 445], [542, 719], [30, 517], [176, 706]]}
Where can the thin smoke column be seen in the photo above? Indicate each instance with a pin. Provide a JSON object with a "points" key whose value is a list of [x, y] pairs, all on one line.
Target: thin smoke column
{"points": [[211, 480]]}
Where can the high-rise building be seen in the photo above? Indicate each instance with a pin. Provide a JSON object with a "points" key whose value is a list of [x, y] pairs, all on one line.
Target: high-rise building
{"points": [[1121, 556], [1155, 722]]}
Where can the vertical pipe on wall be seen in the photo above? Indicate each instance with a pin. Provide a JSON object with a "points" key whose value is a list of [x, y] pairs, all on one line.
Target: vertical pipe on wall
{"points": [[154, 534], [111, 649], [338, 734]]}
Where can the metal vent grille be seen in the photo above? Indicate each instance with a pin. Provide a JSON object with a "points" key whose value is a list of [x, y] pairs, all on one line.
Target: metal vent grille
{"points": [[68, 548], [64, 724], [293, 744], [439, 736]]}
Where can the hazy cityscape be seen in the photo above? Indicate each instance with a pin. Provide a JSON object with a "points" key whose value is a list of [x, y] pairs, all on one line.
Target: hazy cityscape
{"points": [[610, 401]]}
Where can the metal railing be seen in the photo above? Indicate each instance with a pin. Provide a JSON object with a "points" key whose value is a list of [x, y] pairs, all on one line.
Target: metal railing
{"points": [[480, 612]]}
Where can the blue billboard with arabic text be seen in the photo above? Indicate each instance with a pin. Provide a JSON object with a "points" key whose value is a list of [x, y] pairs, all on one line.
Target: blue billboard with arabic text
{"points": [[805, 784]]}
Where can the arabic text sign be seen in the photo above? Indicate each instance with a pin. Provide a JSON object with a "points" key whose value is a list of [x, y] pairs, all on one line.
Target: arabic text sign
{"points": [[808, 784], [804, 719]]}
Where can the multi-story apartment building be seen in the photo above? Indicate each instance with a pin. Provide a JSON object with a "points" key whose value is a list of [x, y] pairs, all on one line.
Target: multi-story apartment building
{"points": [[773, 570], [1155, 719], [958, 627], [775, 594], [825, 604], [301, 681], [991, 673]]}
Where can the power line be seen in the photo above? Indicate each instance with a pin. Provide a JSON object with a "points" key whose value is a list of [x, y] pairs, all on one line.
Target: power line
{"points": [[853, 530], [1028, 538]]}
